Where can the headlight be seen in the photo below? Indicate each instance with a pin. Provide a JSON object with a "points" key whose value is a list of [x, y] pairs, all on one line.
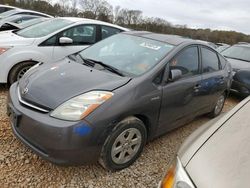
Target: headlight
{"points": [[2, 50], [176, 177], [79, 107]]}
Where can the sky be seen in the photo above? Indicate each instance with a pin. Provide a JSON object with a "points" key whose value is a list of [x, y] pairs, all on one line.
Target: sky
{"points": [[213, 14]]}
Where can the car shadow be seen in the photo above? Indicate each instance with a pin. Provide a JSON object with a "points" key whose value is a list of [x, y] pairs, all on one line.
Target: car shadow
{"points": [[3, 87]]}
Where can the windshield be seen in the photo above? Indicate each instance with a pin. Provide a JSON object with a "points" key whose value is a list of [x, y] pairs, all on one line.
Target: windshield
{"points": [[238, 52], [8, 13], [44, 28], [129, 54]]}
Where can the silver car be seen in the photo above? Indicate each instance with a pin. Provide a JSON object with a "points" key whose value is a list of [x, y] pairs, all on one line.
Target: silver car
{"points": [[216, 155]]}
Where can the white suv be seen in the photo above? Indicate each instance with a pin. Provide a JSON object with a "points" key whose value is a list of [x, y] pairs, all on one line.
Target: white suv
{"points": [[48, 41]]}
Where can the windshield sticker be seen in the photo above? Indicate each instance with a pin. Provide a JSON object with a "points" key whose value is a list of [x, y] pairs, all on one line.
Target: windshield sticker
{"points": [[150, 46]]}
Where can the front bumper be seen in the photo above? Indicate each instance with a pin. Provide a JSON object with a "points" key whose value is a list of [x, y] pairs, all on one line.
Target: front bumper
{"points": [[240, 88], [61, 142]]}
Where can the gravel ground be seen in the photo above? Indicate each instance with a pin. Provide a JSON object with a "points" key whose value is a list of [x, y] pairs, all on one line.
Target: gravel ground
{"points": [[20, 167]]}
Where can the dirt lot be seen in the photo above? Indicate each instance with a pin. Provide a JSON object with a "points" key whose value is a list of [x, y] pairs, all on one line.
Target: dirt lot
{"points": [[19, 167]]}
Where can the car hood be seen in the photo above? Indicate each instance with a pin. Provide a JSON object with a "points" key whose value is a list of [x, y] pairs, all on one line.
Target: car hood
{"points": [[225, 153], [52, 84], [8, 38], [238, 64]]}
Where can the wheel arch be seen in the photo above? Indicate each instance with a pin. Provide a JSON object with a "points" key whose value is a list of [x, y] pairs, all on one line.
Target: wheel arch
{"points": [[11, 69]]}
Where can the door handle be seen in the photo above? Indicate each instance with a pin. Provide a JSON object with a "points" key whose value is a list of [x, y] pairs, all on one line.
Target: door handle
{"points": [[197, 88]]}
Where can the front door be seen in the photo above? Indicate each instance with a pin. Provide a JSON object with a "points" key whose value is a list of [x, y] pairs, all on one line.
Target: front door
{"points": [[82, 36], [181, 98]]}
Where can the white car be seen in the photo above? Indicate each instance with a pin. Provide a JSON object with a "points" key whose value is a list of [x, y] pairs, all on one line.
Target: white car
{"points": [[48, 41]]}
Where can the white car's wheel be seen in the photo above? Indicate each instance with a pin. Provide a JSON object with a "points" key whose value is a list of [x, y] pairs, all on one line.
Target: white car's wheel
{"points": [[19, 70]]}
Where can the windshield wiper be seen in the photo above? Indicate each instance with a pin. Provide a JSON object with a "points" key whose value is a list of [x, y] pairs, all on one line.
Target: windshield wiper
{"points": [[86, 61], [110, 68], [236, 58]]}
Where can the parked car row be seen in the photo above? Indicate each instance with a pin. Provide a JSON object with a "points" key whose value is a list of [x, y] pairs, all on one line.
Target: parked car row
{"points": [[85, 86]]}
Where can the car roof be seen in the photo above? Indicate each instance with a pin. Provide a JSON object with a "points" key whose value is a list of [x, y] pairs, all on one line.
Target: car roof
{"points": [[91, 21], [7, 6], [170, 39], [19, 10]]}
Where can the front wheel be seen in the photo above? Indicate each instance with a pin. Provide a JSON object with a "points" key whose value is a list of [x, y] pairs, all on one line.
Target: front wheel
{"points": [[124, 145], [218, 106]]}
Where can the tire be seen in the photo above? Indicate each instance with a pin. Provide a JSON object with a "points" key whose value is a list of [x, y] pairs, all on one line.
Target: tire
{"points": [[18, 71], [129, 149], [218, 106]]}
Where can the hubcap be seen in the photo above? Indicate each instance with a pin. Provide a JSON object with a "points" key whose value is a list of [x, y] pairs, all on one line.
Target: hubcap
{"points": [[126, 146], [22, 72], [219, 104]]}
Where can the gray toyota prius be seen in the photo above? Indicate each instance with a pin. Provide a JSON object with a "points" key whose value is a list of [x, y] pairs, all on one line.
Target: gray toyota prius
{"points": [[104, 103]]}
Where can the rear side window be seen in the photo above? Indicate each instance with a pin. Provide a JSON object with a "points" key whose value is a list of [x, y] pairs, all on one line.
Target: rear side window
{"points": [[210, 62], [109, 31], [187, 61]]}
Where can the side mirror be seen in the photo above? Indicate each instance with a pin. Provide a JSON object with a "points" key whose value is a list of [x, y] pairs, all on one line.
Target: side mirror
{"points": [[65, 40], [174, 75]]}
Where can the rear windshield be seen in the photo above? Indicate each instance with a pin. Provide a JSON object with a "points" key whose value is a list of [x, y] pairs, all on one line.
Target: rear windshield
{"points": [[44, 28]]}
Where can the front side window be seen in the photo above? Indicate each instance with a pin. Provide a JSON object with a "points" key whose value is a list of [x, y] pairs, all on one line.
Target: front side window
{"points": [[129, 54], [81, 35], [210, 62], [187, 61], [109, 31], [50, 42], [45, 28]]}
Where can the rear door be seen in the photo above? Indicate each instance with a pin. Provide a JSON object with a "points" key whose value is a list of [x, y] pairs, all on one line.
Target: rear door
{"points": [[181, 98], [214, 81]]}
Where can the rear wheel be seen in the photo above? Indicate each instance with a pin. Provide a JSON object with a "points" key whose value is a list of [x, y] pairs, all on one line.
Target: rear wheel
{"points": [[19, 70], [124, 145], [218, 106]]}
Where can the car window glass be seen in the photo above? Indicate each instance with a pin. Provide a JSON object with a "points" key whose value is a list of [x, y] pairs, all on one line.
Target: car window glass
{"points": [[81, 35], [50, 42], [238, 52], [187, 61], [109, 31], [44, 28], [210, 62], [129, 54]]}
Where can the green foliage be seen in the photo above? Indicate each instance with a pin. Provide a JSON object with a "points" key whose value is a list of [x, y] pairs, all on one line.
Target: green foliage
{"points": [[102, 10]]}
